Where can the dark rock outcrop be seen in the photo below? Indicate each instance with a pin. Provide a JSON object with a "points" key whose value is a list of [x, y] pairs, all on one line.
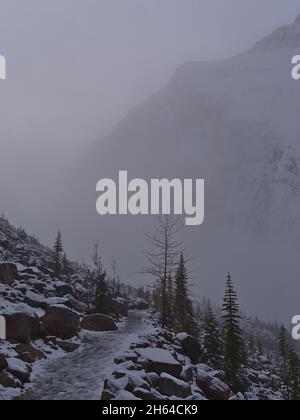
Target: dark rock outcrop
{"points": [[8, 273], [98, 323], [67, 346], [212, 387], [7, 381], [3, 363], [61, 321], [159, 360], [191, 347], [21, 327], [29, 354], [172, 386]]}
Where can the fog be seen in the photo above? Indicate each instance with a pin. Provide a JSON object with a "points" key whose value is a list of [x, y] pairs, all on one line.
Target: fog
{"points": [[75, 68]]}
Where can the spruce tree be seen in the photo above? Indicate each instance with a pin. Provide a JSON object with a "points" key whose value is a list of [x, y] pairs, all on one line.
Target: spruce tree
{"points": [[67, 269], [170, 303], [294, 375], [58, 254], [235, 353], [212, 341], [185, 319], [284, 361], [103, 301]]}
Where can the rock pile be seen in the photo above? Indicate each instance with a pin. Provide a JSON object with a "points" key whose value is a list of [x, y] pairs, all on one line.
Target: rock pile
{"points": [[161, 367]]}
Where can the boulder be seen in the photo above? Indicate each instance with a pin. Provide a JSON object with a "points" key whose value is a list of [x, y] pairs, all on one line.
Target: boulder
{"points": [[187, 374], [21, 327], [7, 381], [29, 354], [19, 369], [3, 363], [159, 361], [64, 289], [129, 366], [137, 381], [107, 395], [154, 379], [213, 388], [35, 300], [120, 307], [61, 321], [202, 367], [191, 347], [171, 386], [126, 396], [130, 356], [38, 287], [145, 395], [8, 273], [140, 304], [98, 323], [67, 346]]}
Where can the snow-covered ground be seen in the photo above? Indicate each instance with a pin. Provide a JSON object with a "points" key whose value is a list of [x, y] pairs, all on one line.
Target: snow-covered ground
{"points": [[80, 375]]}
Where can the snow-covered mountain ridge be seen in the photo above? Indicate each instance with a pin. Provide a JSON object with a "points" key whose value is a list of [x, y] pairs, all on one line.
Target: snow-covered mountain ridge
{"points": [[234, 123]]}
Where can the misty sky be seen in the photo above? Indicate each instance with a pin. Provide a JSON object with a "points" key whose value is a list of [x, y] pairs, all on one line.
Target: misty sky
{"points": [[76, 67]]}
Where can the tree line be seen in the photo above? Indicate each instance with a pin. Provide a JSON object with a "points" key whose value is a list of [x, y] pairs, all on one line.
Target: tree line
{"points": [[224, 346], [223, 342]]}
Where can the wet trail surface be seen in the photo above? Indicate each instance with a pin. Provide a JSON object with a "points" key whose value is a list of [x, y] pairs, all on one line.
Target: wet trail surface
{"points": [[80, 375]]}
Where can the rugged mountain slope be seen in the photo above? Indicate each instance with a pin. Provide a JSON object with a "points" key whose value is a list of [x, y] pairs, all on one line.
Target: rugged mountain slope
{"points": [[235, 123], [43, 310], [26, 274]]}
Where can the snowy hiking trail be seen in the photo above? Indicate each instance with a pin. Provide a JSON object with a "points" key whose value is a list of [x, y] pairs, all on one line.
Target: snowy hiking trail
{"points": [[80, 375]]}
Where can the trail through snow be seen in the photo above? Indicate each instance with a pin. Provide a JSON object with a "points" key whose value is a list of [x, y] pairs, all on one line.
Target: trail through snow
{"points": [[80, 375]]}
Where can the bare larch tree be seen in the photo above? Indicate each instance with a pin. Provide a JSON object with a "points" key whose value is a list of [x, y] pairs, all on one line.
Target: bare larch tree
{"points": [[164, 255]]}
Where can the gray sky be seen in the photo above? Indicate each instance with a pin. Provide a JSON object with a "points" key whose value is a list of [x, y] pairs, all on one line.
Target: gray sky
{"points": [[76, 67]]}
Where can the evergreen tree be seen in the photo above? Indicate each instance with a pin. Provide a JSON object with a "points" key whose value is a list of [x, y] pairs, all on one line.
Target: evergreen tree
{"points": [[235, 353], [185, 319], [294, 375], [284, 361], [157, 298], [58, 254], [289, 367], [102, 298], [212, 342], [66, 266], [170, 303], [260, 348]]}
